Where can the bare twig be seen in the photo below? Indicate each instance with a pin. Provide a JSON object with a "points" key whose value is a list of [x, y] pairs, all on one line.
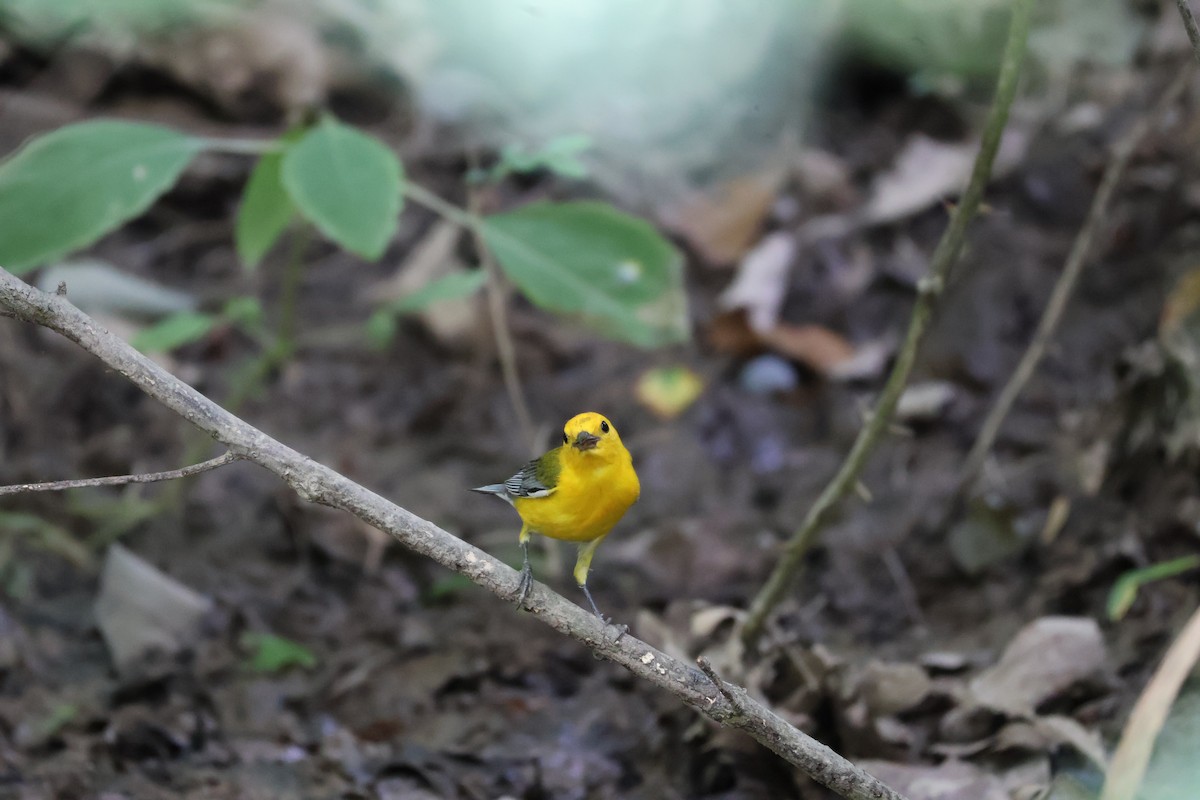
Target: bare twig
{"points": [[320, 484], [943, 259], [1065, 286], [707, 668], [121, 480], [1189, 24], [498, 313]]}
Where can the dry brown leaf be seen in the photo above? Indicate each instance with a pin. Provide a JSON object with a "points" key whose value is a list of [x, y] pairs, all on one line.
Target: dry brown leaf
{"points": [[812, 345], [1046, 657], [723, 223], [1133, 752], [730, 333]]}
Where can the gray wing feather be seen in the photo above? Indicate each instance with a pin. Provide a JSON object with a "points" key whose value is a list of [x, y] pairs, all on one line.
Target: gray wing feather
{"points": [[526, 483]]}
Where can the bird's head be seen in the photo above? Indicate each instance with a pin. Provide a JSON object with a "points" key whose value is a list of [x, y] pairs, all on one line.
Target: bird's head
{"points": [[591, 434]]}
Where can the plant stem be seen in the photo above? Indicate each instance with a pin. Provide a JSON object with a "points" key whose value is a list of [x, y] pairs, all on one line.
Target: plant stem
{"points": [[422, 196], [1189, 24], [289, 299], [943, 259], [242, 147], [1063, 289], [498, 313]]}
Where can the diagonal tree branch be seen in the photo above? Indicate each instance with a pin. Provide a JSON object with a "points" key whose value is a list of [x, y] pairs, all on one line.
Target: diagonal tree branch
{"points": [[931, 286], [121, 480], [1077, 259], [320, 484]]}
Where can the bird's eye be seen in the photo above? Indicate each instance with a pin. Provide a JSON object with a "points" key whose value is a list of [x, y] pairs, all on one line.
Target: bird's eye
{"points": [[566, 438], [604, 427]]}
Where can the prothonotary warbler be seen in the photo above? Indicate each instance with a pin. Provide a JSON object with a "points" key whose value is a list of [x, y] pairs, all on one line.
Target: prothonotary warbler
{"points": [[576, 492]]}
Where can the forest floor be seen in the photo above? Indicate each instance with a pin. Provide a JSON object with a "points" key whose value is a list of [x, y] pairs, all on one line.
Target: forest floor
{"points": [[893, 647]]}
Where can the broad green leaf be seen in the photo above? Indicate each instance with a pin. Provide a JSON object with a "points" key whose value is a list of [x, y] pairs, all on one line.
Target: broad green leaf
{"points": [[64, 190], [1125, 590], [273, 653], [174, 331], [1174, 771], [265, 211], [381, 327], [346, 183], [587, 258]]}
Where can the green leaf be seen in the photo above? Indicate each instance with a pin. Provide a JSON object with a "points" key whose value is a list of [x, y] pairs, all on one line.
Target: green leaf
{"points": [[346, 183], [274, 653], [448, 287], [64, 190], [174, 331], [1124, 591], [265, 211], [1173, 771], [559, 155], [244, 311], [587, 258]]}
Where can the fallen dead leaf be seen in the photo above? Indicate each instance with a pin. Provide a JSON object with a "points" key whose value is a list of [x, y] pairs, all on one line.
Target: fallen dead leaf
{"points": [[953, 780], [1046, 657], [668, 391], [761, 281], [814, 346], [141, 610], [726, 221], [928, 171]]}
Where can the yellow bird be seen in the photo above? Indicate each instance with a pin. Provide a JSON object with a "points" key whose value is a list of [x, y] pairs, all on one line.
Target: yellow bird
{"points": [[576, 492]]}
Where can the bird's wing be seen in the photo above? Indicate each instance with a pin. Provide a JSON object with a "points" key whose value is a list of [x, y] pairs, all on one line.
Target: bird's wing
{"points": [[538, 478]]}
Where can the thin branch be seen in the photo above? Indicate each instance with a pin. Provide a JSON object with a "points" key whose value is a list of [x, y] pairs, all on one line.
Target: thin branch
{"points": [[930, 288], [1189, 24], [121, 480], [707, 668], [498, 313], [320, 484], [1076, 260]]}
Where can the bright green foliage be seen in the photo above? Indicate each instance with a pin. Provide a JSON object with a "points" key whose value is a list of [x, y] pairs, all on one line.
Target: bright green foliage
{"points": [[186, 327], [174, 331], [1125, 590], [560, 156], [381, 327], [587, 258], [346, 183], [66, 189], [273, 653], [265, 211]]}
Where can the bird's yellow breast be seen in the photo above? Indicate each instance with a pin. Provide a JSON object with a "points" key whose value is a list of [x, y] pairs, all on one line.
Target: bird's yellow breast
{"points": [[591, 497]]}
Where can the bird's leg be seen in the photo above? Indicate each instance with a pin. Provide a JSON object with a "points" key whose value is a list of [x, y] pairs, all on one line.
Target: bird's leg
{"points": [[582, 564], [526, 571]]}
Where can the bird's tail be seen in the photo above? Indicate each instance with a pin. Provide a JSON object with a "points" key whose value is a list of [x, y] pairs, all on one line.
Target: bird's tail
{"points": [[497, 489]]}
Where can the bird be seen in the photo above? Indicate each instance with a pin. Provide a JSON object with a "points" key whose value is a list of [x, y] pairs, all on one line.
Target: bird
{"points": [[576, 492]]}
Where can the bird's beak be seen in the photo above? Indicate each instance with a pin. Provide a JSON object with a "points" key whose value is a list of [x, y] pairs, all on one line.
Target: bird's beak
{"points": [[586, 441]]}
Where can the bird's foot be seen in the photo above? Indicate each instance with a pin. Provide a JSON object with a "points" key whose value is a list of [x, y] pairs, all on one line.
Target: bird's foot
{"points": [[621, 629], [526, 583]]}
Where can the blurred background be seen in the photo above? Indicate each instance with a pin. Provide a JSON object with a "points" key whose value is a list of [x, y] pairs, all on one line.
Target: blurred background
{"points": [[796, 160]]}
